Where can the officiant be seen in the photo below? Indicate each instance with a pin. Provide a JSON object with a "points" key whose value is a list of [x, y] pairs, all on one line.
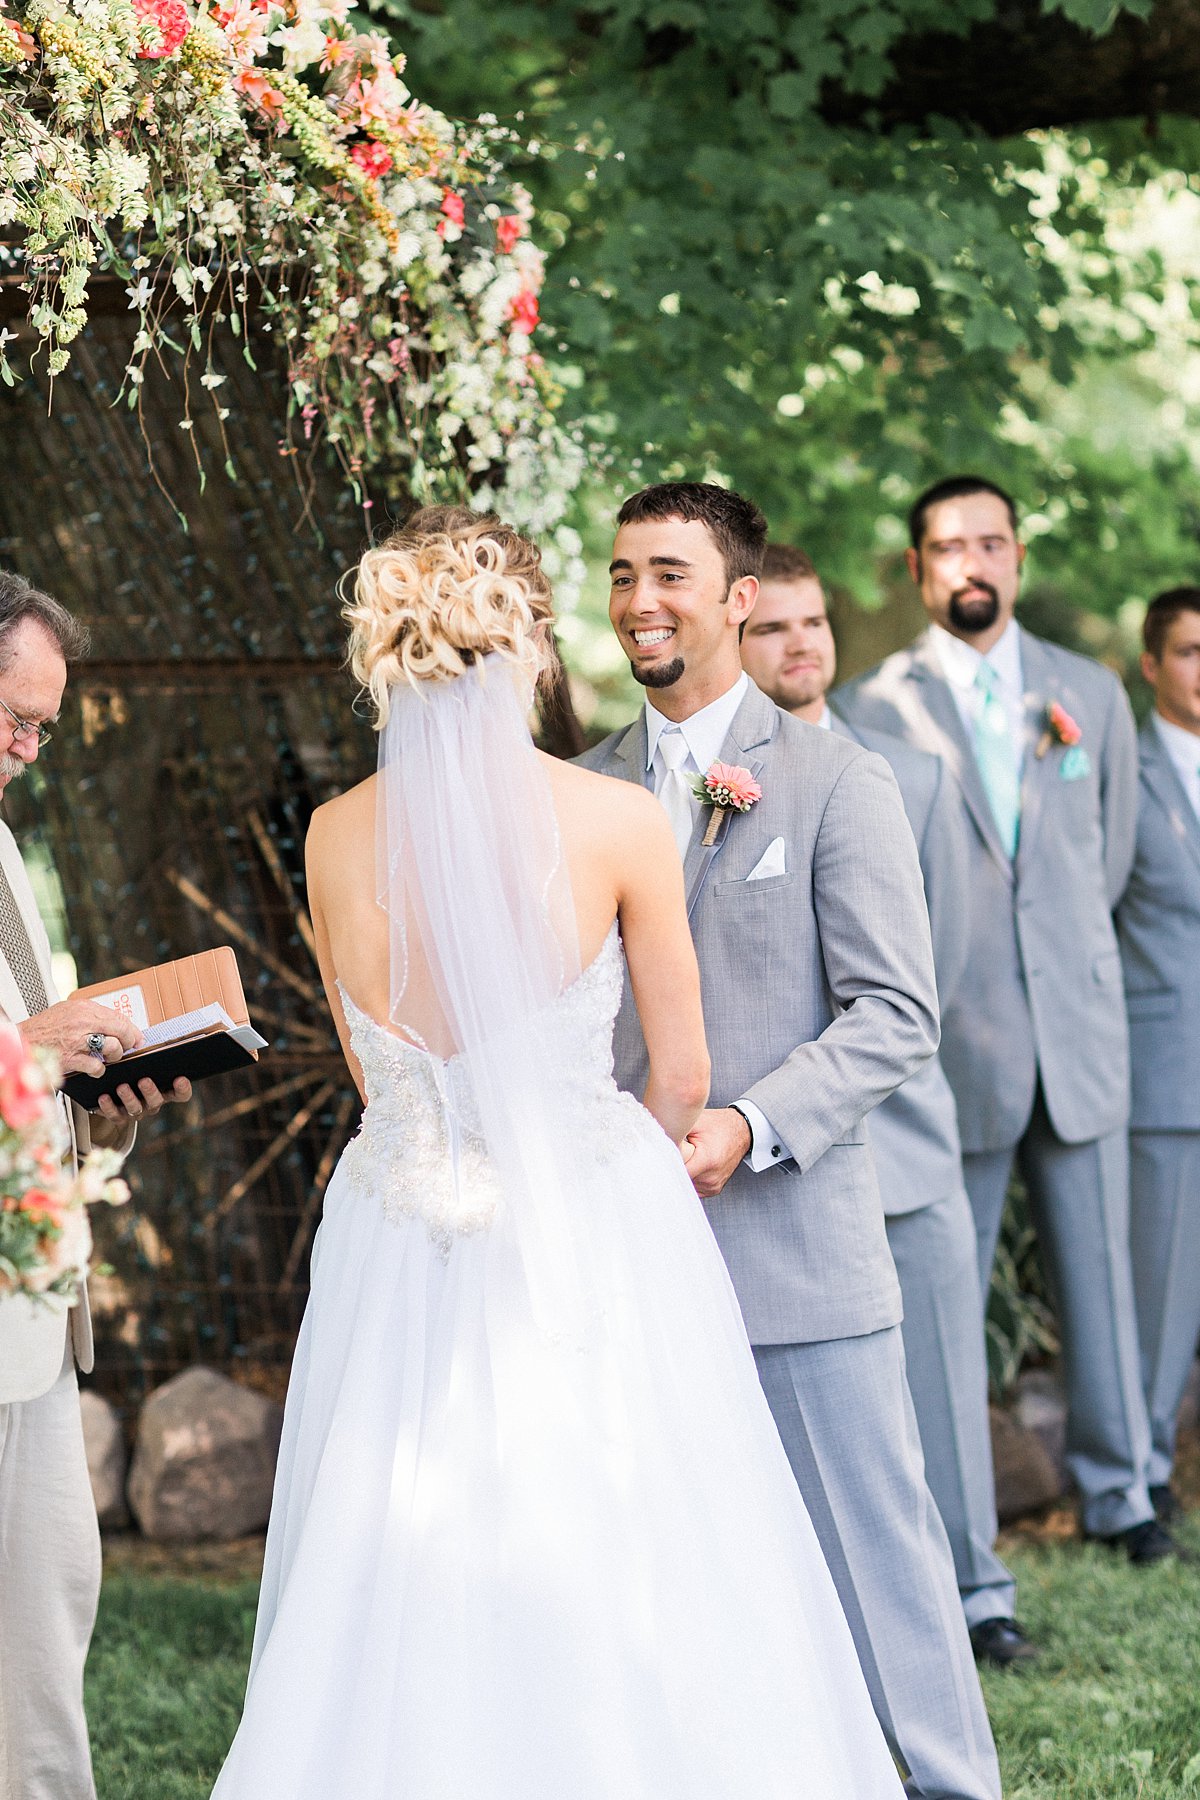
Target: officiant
{"points": [[49, 1538]]}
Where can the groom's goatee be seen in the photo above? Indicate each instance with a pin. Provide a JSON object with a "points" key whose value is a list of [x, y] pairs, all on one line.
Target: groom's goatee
{"points": [[661, 675]]}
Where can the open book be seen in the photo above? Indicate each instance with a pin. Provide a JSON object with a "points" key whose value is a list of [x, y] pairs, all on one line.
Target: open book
{"points": [[193, 1018]]}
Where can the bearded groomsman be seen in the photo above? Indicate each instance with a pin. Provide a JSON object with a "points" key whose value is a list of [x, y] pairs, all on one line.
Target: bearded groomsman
{"points": [[1042, 747], [1158, 923], [788, 650], [819, 999]]}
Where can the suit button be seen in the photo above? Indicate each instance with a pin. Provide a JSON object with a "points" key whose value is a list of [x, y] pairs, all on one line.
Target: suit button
{"points": [[776, 1150]]}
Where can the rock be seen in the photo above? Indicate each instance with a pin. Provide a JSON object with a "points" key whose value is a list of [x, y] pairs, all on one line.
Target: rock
{"points": [[204, 1462], [1026, 1478], [1041, 1407], [1189, 1410], [106, 1460]]}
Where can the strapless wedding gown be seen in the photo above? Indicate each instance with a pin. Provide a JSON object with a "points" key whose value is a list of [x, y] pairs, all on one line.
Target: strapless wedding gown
{"points": [[501, 1567]]}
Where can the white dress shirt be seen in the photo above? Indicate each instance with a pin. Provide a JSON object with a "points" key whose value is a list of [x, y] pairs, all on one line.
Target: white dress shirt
{"points": [[960, 663], [704, 733], [1183, 748]]}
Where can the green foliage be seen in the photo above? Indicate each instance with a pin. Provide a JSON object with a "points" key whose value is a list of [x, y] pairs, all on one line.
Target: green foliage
{"points": [[165, 1681], [1109, 1713], [827, 316], [1020, 1318]]}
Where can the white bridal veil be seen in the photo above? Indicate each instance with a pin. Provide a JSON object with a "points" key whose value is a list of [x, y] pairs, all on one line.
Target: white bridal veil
{"points": [[482, 943]]}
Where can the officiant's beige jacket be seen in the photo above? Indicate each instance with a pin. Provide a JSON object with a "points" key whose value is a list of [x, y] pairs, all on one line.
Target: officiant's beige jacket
{"points": [[31, 1332]]}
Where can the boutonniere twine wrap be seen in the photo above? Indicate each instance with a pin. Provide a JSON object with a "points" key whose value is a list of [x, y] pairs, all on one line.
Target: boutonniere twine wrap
{"points": [[726, 787], [1060, 728]]}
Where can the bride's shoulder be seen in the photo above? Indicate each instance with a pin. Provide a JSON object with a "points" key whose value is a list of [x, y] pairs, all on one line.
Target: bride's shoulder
{"points": [[603, 797], [342, 817]]}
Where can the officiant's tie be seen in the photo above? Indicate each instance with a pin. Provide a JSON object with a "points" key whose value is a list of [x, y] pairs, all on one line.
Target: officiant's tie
{"points": [[18, 951], [675, 788], [996, 755]]}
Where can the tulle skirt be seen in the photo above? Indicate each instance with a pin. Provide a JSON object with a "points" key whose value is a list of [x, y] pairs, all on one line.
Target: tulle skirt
{"points": [[501, 1566]]}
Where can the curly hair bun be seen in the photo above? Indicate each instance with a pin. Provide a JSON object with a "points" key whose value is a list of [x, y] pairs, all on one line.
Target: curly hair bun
{"points": [[451, 586]]}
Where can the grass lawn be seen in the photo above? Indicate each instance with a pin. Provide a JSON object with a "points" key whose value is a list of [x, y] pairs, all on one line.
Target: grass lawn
{"points": [[1111, 1713]]}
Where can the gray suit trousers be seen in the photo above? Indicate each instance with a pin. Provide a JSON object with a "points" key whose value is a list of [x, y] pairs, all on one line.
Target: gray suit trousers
{"points": [[1079, 1200], [839, 1406], [49, 1587], [1165, 1233], [935, 1255]]}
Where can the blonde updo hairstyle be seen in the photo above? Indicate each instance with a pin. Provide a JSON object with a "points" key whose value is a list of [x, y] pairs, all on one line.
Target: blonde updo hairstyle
{"points": [[451, 586]]}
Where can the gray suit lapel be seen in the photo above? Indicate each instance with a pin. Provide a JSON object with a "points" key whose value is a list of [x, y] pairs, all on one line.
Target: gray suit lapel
{"points": [[954, 746], [1162, 778]]}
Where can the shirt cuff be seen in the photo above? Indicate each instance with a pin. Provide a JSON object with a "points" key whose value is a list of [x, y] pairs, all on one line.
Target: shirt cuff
{"points": [[766, 1146]]}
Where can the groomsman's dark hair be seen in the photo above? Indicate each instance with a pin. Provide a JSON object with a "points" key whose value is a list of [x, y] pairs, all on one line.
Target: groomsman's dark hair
{"points": [[20, 600], [787, 562], [954, 487], [735, 524], [1162, 613]]}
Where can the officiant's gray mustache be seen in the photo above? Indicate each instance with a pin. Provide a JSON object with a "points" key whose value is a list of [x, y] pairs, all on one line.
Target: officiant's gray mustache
{"points": [[11, 768]]}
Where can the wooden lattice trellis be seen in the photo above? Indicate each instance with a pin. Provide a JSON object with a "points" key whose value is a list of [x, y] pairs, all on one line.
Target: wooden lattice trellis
{"points": [[211, 718]]}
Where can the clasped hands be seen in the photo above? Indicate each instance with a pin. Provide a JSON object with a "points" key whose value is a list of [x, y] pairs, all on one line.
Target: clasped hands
{"points": [[714, 1147], [65, 1029]]}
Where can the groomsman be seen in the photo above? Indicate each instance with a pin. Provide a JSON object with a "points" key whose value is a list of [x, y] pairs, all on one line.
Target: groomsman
{"points": [[1042, 746], [819, 998], [788, 650], [1158, 923]]}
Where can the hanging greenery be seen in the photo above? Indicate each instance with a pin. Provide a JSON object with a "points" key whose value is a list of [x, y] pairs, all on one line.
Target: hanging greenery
{"points": [[260, 166]]}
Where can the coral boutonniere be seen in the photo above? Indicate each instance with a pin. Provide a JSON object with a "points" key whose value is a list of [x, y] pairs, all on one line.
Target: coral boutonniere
{"points": [[726, 787], [1060, 729]]}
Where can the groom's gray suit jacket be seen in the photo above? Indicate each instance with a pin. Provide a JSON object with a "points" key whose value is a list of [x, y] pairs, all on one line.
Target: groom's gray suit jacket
{"points": [[1041, 996], [819, 1000]]}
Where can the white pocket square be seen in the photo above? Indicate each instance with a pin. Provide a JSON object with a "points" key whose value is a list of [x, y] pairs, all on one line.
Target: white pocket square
{"points": [[773, 861]]}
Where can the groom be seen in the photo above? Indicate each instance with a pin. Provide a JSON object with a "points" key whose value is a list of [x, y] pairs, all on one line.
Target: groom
{"points": [[819, 997]]}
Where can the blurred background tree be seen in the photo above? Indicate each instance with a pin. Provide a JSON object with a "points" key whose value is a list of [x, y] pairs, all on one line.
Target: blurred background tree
{"points": [[828, 251]]}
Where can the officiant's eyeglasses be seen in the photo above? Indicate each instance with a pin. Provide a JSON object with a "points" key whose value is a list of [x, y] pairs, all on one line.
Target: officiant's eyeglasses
{"points": [[22, 729]]}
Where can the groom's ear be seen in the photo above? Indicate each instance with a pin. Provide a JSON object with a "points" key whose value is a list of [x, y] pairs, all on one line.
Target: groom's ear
{"points": [[742, 596]]}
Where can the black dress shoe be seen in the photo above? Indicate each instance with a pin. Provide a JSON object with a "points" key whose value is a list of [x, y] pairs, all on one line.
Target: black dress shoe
{"points": [[1002, 1643], [1166, 1506], [1147, 1543]]}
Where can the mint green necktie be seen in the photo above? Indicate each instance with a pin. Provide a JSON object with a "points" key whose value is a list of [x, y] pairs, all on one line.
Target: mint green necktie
{"points": [[996, 755]]}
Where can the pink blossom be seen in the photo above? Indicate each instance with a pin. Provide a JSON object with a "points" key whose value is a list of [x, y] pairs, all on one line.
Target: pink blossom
{"points": [[524, 312], [372, 159], [172, 21], [509, 230], [453, 207], [728, 784]]}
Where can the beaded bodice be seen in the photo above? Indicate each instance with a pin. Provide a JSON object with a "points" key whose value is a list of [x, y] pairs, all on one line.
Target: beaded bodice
{"points": [[420, 1151]]}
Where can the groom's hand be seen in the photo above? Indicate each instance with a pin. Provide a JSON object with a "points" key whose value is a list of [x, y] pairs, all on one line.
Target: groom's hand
{"points": [[720, 1138]]}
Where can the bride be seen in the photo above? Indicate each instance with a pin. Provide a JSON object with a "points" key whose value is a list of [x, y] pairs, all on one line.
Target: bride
{"points": [[534, 1536]]}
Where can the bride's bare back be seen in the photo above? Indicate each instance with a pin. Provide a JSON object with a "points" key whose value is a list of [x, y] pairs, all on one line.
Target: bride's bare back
{"points": [[622, 863]]}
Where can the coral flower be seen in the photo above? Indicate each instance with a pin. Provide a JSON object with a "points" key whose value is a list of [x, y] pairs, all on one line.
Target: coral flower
{"points": [[509, 230], [453, 207], [173, 24], [524, 312], [258, 90], [1062, 724], [372, 159]]}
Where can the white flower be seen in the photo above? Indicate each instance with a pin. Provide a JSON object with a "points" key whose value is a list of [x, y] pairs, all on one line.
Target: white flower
{"points": [[140, 296]]}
